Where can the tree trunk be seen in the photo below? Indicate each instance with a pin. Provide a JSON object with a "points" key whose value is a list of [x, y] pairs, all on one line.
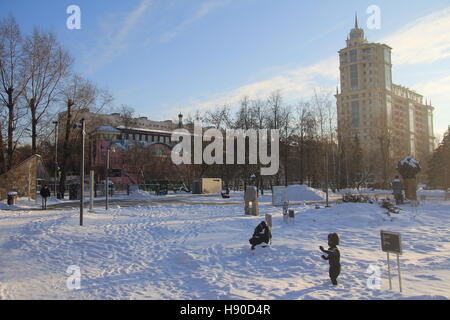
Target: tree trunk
{"points": [[65, 151], [10, 128], [286, 164], [2, 155], [34, 122]]}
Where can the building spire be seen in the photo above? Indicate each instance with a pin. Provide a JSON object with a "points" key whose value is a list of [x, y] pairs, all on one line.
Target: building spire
{"points": [[356, 34]]}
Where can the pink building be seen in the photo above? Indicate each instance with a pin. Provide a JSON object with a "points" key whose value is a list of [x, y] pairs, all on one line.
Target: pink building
{"points": [[136, 155]]}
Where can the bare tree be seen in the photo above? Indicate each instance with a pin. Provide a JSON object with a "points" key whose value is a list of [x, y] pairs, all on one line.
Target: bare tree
{"points": [[78, 95], [47, 63], [219, 117], [13, 80], [127, 115], [2, 147], [304, 131], [258, 110]]}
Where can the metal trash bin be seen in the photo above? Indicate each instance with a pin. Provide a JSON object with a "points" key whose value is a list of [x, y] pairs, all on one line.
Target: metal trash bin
{"points": [[12, 198]]}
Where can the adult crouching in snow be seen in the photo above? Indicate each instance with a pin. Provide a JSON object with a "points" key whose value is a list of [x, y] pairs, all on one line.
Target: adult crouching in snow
{"points": [[262, 234]]}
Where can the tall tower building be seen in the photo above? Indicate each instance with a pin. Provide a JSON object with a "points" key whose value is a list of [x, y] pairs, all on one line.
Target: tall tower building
{"points": [[380, 113]]}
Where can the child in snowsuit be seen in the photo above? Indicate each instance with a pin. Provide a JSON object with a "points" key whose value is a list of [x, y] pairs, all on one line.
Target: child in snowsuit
{"points": [[262, 234], [333, 256]]}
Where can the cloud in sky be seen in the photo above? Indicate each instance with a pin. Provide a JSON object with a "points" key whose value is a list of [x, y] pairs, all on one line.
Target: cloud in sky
{"points": [[424, 41], [438, 90], [293, 84], [132, 19], [204, 10], [114, 39]]}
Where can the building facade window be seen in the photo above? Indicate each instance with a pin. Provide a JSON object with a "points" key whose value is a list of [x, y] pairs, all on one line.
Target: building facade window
{"points": [[354, 77], [353, 55], [355, 114]]}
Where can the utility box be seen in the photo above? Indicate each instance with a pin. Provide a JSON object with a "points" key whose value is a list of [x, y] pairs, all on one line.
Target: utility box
{"points": [[269, 219], [197, 187], [251, 201], [207, 186]]}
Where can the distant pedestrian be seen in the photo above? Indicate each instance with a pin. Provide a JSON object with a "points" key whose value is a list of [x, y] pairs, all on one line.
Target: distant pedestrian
{"points": [[397, 187], [45, 193], [333, 256]]}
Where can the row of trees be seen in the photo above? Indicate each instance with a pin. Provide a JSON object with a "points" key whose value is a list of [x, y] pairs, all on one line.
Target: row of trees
{"points": [[36, 83], [439, 168], [309, 149]]}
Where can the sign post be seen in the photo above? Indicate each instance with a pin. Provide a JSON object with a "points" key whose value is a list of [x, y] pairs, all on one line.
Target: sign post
{"points": [[389, 272], [82, 126], [391, 242], [399, 274]]}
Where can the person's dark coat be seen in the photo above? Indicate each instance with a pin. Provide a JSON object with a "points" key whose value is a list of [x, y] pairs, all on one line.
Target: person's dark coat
{"points": [[262, 234], [45, 192]]}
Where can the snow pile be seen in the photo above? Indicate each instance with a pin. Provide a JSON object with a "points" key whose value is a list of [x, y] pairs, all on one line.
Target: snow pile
{"points": [[432, 193], [410, 161], [304, 193], [141, 194], [408, 168]]}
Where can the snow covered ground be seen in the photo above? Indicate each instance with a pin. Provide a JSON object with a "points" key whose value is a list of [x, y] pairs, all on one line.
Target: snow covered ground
{"points": [[201, 251]]}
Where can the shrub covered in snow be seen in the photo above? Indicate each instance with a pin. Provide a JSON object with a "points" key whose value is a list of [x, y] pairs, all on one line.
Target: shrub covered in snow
{"points": [[408, 167]]}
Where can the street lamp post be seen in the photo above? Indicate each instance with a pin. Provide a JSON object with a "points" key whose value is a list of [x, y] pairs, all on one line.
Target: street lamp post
{"points": [[82, 126], [108, 153], [107, 177], [327, 178], [56, 123]]}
